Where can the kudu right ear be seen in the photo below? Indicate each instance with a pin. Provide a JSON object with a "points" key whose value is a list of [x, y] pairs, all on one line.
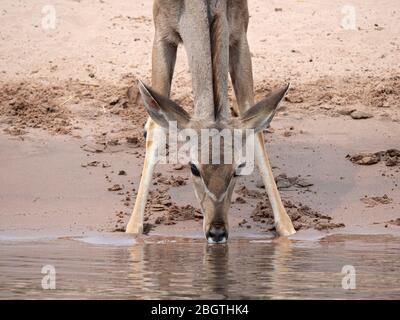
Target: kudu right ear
{"points": [[161, 109]]}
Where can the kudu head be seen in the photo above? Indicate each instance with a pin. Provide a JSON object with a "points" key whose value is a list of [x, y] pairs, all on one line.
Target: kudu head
{"points": [[214, 173]]}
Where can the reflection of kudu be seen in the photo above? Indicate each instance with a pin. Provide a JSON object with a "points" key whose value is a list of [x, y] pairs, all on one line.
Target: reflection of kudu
{"points": [[237, 271], [213, 33]]}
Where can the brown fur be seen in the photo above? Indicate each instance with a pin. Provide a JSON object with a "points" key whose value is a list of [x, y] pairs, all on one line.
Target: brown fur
{"points": [[213, 33], [216, 33]]}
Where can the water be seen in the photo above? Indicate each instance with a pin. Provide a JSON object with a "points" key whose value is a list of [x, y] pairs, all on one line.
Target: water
{"points": [[187, 269]]}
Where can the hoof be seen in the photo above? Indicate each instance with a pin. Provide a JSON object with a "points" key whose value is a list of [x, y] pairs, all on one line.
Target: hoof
{"points": [[134, 228], [285, 229]]}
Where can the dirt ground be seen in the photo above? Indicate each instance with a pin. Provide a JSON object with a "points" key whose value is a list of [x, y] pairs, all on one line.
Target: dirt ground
{"points": [[71, 120]]}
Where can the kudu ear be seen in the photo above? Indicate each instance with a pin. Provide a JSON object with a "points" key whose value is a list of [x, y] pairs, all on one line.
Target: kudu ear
{"points": [[260, 115], [161, 109]]}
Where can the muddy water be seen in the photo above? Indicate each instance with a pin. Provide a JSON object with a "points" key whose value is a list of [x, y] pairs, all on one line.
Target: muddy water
{"points": [[176, 268]]}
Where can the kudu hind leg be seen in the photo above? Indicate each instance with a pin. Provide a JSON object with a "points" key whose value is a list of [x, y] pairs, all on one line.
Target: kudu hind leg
{"points": [[163, 62], [242, 80]]}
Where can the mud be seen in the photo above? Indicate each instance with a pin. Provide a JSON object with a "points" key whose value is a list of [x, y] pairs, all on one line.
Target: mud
{"points": [[32, 105], [375, 201], [354, 96], [283, 182], [163, 210], [302, 216], [172, 181], [57, 106], [390, 157], [395, 222]]}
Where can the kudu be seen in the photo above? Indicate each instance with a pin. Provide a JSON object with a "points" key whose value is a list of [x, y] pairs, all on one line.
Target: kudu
{"points": [[213, 33]]}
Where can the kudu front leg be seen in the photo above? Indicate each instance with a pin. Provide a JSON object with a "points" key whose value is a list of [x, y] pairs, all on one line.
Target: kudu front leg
{"points": [[163, 62], [135, 224], [242, 80], [283, 223]]}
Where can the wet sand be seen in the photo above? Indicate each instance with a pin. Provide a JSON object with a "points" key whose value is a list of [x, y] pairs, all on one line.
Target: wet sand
{"points": [[51, 187]]}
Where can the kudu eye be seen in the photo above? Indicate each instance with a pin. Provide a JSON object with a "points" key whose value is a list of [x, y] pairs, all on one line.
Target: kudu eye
{"points": [[194, 170], [238, 169]]}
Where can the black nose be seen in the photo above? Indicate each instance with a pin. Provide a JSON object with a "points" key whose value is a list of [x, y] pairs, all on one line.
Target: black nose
{"points": [[217, 235]]}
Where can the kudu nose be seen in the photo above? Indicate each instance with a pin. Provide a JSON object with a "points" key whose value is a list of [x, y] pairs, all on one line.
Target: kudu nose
{"points": [[217, 235]]}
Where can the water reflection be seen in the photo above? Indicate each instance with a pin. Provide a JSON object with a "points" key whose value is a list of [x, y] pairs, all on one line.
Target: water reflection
{"points": [[194, 269]]}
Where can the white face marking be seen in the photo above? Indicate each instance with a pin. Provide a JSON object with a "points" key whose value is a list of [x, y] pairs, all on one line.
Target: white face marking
{"points": [[212, 195], [207, 191]]}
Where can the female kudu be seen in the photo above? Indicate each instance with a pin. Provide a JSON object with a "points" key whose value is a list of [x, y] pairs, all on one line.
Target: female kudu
{"points": [[213, 33]]}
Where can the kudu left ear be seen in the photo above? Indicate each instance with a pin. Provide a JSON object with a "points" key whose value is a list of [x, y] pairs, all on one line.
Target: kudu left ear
{"points": [[161, 109], [260, 115]]}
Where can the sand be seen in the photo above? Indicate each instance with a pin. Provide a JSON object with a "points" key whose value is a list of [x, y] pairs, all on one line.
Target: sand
{"points": [[71, 120]]}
